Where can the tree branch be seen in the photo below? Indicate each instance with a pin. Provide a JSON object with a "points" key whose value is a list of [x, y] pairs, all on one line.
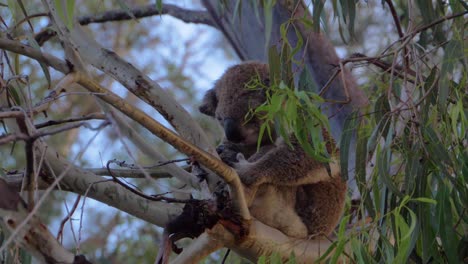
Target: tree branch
{"points": [[77, 41], [83, 182], [33, 233], [186, 15], [227, 173], [20, 48]]}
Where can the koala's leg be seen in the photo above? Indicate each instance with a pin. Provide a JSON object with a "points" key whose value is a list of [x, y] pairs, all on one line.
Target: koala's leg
{"points": [[275, 207], [320, 205], [288, 222]]}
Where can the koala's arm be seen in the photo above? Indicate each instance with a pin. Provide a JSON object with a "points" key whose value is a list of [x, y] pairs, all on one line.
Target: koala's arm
{"points": [[283, 165]]}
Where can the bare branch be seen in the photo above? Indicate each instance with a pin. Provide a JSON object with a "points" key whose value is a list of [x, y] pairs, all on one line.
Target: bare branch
{"points": [[15, 178], [21, 136], [83, 182], [20, 48], [77, 42], [69, 120], [186, 126], [186, 15], [157, 173], [34, 236], [227, 173], [128, 131]]}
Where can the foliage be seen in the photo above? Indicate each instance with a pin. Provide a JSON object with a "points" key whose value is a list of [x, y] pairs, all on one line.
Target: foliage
{"points": [[412, 143]]}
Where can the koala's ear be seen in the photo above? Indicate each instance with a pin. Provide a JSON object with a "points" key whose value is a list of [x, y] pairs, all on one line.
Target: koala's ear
{"points": [[209, 103]]}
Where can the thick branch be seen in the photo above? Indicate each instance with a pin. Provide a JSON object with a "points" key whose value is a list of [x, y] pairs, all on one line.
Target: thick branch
{"points": [[83, 182], [20, 48], [186, 15], [262, 240], [50, 60], [157, 173], [227, 173], [128, 131], [77, 41]]}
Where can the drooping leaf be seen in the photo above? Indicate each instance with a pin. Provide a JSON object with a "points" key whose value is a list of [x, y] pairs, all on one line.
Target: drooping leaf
{"points": [[70, 13], [159, 6], [44, 67], [318, 8], [446, 231], [349, 130], [125, 7], [306, 82], [268, 14], [274, 64]]}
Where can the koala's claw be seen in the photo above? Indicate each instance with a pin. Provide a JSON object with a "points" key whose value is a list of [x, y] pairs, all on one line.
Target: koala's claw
{"points": [[241, 159]]}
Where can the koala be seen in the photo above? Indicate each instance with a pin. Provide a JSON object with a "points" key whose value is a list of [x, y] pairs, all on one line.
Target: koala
{"points": [[285, 188]]}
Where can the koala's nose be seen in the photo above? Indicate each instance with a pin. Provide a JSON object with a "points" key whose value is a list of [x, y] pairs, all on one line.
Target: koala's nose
{"points": [[231, 130]]}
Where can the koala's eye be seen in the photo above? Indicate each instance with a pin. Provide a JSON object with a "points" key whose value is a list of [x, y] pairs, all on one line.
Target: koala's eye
{"points": [[219, 118]]}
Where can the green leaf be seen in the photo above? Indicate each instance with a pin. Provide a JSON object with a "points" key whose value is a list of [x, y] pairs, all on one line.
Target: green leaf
{"points": [[360, 167], [275, 258], [453, 52], [292, 258], [66, 12], [159, 6], [436, 148], [125, 7], [13, 8], [382, 113], [306, 82], [299, 44], [383, 165], [291, 110], [402, 242], [430, 13], [286, 67], [274, 64], [448, 236], [268, 14], [424, 200], [12, 91], [70, 13], [431, 85], [44, 67], [318, 8], [349, 129], [236, 12], [341, 239]]}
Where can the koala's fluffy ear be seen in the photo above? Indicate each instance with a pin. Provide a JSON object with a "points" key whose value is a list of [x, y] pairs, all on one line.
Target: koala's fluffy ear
{"points": [[209, 103]]}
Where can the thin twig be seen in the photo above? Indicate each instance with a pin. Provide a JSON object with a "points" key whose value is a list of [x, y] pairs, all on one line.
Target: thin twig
{"points": [[34, 136], [158, 197], [400, 32], [68, 217], [99, 116]]}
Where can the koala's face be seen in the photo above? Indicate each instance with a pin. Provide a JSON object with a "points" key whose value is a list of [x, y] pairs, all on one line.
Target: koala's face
{"points": [[233, 97]]}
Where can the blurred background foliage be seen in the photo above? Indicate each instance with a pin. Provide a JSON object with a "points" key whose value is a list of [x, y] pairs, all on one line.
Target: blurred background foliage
{"points": [[411, 160]]}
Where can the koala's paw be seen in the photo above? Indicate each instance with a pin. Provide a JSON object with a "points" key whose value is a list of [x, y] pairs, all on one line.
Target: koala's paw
{"points": [[227, 155], [246, 171]]}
